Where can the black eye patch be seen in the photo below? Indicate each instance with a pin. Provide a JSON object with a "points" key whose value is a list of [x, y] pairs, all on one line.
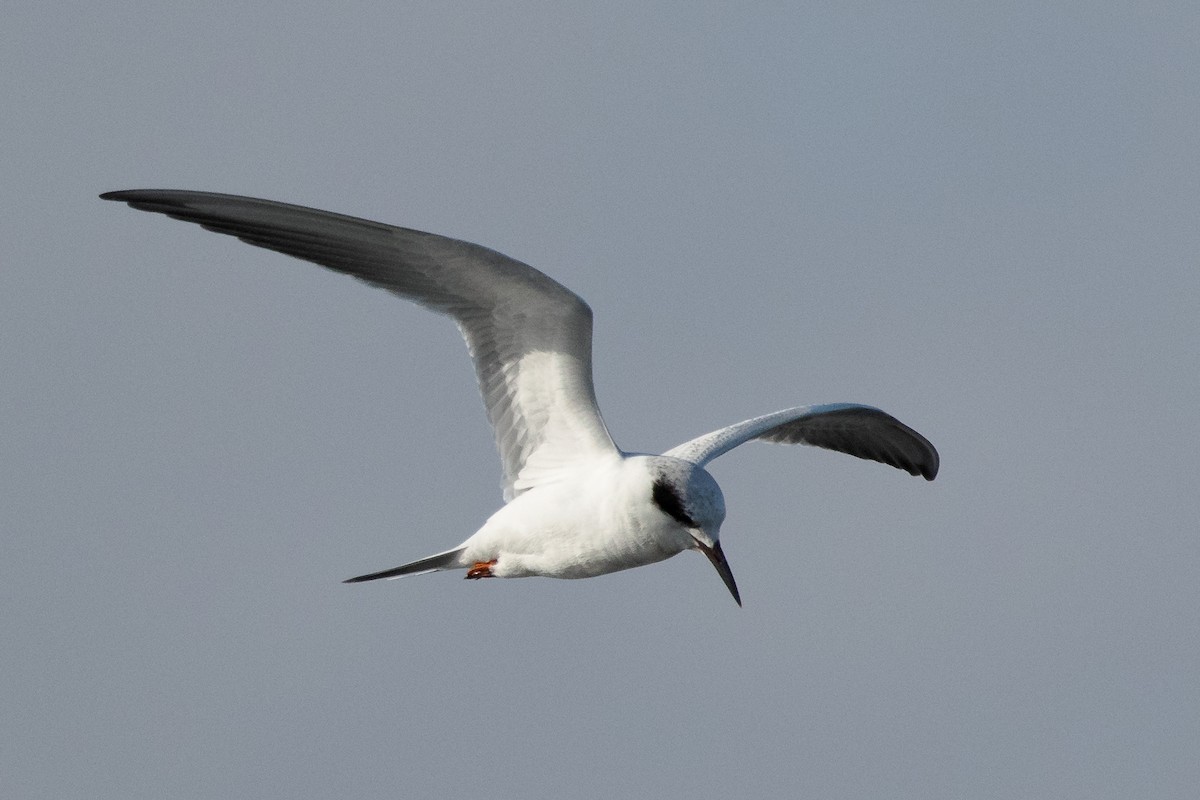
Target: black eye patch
{"points": [[666, 498]]}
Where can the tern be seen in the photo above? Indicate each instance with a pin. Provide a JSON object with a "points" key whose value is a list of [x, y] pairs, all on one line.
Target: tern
{"points": [[576, 506]]}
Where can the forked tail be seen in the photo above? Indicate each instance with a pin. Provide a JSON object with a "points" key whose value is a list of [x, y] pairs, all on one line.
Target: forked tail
{"points": [[446, 560]]}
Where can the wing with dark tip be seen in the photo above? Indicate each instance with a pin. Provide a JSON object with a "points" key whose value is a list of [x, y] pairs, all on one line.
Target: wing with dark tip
{"points": [[529, 336], [857, 430]]}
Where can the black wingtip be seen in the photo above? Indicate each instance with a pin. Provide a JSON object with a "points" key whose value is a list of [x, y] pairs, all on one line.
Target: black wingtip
{"points": [[929, 470]]}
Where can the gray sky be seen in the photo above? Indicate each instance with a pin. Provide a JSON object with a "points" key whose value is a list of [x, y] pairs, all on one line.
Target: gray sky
{"points": [[980, 217]]}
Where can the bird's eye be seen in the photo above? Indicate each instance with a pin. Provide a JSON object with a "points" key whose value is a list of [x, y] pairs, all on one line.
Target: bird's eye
{"points": [[668, 500]]}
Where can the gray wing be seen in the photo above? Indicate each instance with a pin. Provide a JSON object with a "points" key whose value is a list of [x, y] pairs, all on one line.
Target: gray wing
{"points": [[529, 336], [857, 430]]}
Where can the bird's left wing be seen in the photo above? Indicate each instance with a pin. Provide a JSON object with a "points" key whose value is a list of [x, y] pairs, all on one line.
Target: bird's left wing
{"points": [[529, 336], [857, 430]]}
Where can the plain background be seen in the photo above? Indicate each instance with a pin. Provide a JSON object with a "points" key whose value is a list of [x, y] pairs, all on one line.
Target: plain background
{"points": [[982, 217]]}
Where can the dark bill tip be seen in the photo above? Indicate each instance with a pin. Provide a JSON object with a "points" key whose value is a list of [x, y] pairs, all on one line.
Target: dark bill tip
{"points": [[717, 557]]}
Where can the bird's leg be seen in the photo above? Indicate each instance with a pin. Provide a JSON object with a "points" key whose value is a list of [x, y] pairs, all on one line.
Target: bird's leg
{"points": [[482, 569]]}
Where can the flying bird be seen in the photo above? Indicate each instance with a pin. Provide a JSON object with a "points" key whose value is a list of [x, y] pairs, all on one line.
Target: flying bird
{"points": [[576, 506]]}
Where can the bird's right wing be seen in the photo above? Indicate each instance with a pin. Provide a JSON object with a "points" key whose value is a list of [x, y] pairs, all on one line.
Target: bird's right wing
{"points": [[857, 430], [529, 336]]}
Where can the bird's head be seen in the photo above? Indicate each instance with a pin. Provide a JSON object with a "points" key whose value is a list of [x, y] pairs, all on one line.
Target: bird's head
{"points": [[688, 494]]}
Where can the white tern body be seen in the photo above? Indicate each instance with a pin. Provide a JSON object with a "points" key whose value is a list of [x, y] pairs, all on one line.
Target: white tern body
{"points": [[576, 505]]}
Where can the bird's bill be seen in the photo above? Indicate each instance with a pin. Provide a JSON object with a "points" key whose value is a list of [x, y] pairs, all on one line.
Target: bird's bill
{"points": [[717, 557]]}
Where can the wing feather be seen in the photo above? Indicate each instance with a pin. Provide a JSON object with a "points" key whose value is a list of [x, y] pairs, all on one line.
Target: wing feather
{"points": [[857, 430], [529, 337]]}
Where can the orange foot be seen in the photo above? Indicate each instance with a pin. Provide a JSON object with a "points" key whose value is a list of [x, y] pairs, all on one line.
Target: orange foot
{"points": [[482, 569]]}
